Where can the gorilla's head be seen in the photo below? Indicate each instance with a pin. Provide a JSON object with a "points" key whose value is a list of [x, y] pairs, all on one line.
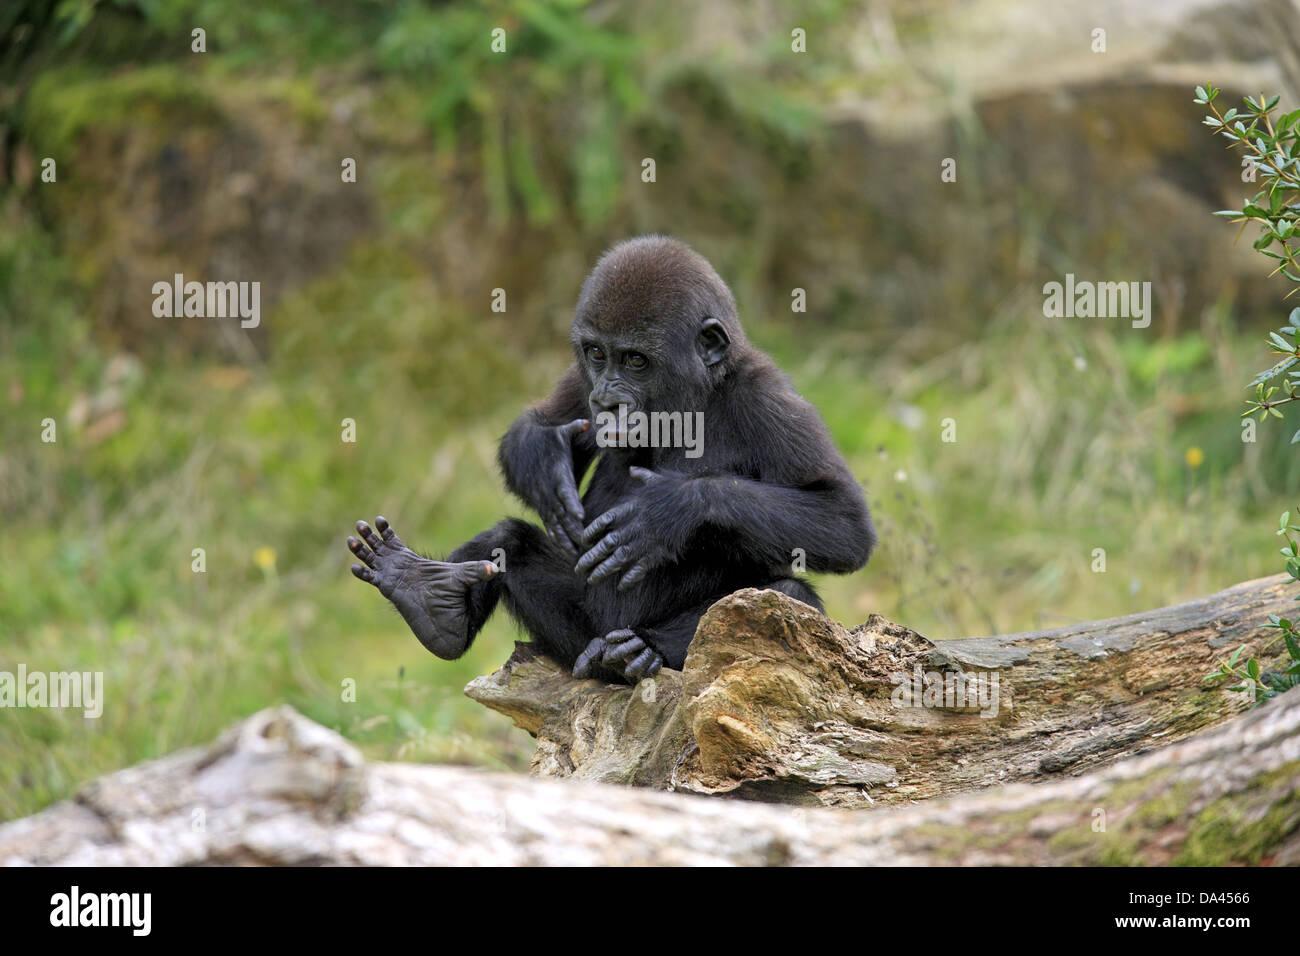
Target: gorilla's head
{"points": [[655, 328]]}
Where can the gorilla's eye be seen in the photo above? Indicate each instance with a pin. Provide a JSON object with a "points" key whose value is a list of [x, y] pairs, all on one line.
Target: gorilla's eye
{"points": [[595, 353], [635, 360]]}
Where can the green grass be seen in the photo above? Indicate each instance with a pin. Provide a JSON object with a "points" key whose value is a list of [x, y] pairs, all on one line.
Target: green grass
{"points": [[1072, 435], [991, 533]]}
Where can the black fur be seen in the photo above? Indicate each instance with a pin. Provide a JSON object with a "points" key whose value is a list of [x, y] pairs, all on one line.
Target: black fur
{"points": [[659, 536]]}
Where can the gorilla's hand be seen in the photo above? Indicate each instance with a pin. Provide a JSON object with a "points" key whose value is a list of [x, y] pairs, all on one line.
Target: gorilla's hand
{"points": [[633, 535], [553, 490], [430, 595], [623, 651]]}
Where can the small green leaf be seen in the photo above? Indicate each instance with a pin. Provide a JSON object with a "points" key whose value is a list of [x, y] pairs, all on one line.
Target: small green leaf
{"points": [[1273, 372]]}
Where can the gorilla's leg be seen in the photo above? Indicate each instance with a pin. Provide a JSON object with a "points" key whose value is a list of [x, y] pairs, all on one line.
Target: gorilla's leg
{"points": [[640, 651], [799, 590], [539, 587], [672, 637], [446, 603]]}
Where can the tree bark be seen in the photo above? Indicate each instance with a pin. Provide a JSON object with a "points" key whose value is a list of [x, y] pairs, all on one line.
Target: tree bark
{"points": [[778, 703], [279, 789], [775, 703]]}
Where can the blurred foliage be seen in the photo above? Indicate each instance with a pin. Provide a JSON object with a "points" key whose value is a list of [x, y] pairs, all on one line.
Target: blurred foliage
{"points": [[438, 54], [1070, 436]]}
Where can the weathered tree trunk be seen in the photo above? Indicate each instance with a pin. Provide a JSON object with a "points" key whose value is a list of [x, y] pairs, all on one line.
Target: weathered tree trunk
{"points": [[279, 789], [778, 703]]}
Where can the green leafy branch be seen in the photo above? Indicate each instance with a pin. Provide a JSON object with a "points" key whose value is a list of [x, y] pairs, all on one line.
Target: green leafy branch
{"points": [[1272, 147], [1269, 685]]}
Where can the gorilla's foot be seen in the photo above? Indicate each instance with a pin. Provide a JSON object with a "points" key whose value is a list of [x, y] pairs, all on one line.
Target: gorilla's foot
{"points": [[430, 595]]}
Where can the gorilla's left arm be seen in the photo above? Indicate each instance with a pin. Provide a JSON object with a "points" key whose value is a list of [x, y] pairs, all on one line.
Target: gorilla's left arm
{"points": [[827, 519], [805, 497]]}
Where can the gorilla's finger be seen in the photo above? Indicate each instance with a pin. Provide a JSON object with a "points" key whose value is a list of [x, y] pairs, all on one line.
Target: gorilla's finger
{"points": [[560, 527], [365, 574], [368, 536], [385, 529], [569, 506], [582, 666], [575, 427], [623, 652], [602, 524], [361, 551], [611, 565], [473, 571], [598, 527], [599, 553], [568, 494], [560, 536], [642, 666], [643, 474], [572, 528], [619, 636], [633, 577]]}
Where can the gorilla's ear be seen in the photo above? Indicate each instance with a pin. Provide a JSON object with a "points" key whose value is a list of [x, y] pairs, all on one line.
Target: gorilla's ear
{"points": [[712, 342]]}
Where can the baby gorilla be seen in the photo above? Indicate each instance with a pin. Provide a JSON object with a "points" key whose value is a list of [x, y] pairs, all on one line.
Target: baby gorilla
{"points": [[711, 474]]}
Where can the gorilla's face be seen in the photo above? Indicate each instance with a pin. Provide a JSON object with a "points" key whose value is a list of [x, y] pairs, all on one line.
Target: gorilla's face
{"points": [[644, 368], [620, 373]]}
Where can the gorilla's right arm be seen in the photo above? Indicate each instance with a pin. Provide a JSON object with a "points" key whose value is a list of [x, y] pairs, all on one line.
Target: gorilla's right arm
{"points": [[545, 454]]}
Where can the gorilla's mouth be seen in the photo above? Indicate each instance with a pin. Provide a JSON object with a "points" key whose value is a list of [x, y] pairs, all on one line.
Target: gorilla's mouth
{"points": [[615, 421]]}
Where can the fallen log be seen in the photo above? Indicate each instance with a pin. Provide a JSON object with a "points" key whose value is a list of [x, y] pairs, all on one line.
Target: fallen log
{"points": [[778, 703], [775, 703], [280, 789]]}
